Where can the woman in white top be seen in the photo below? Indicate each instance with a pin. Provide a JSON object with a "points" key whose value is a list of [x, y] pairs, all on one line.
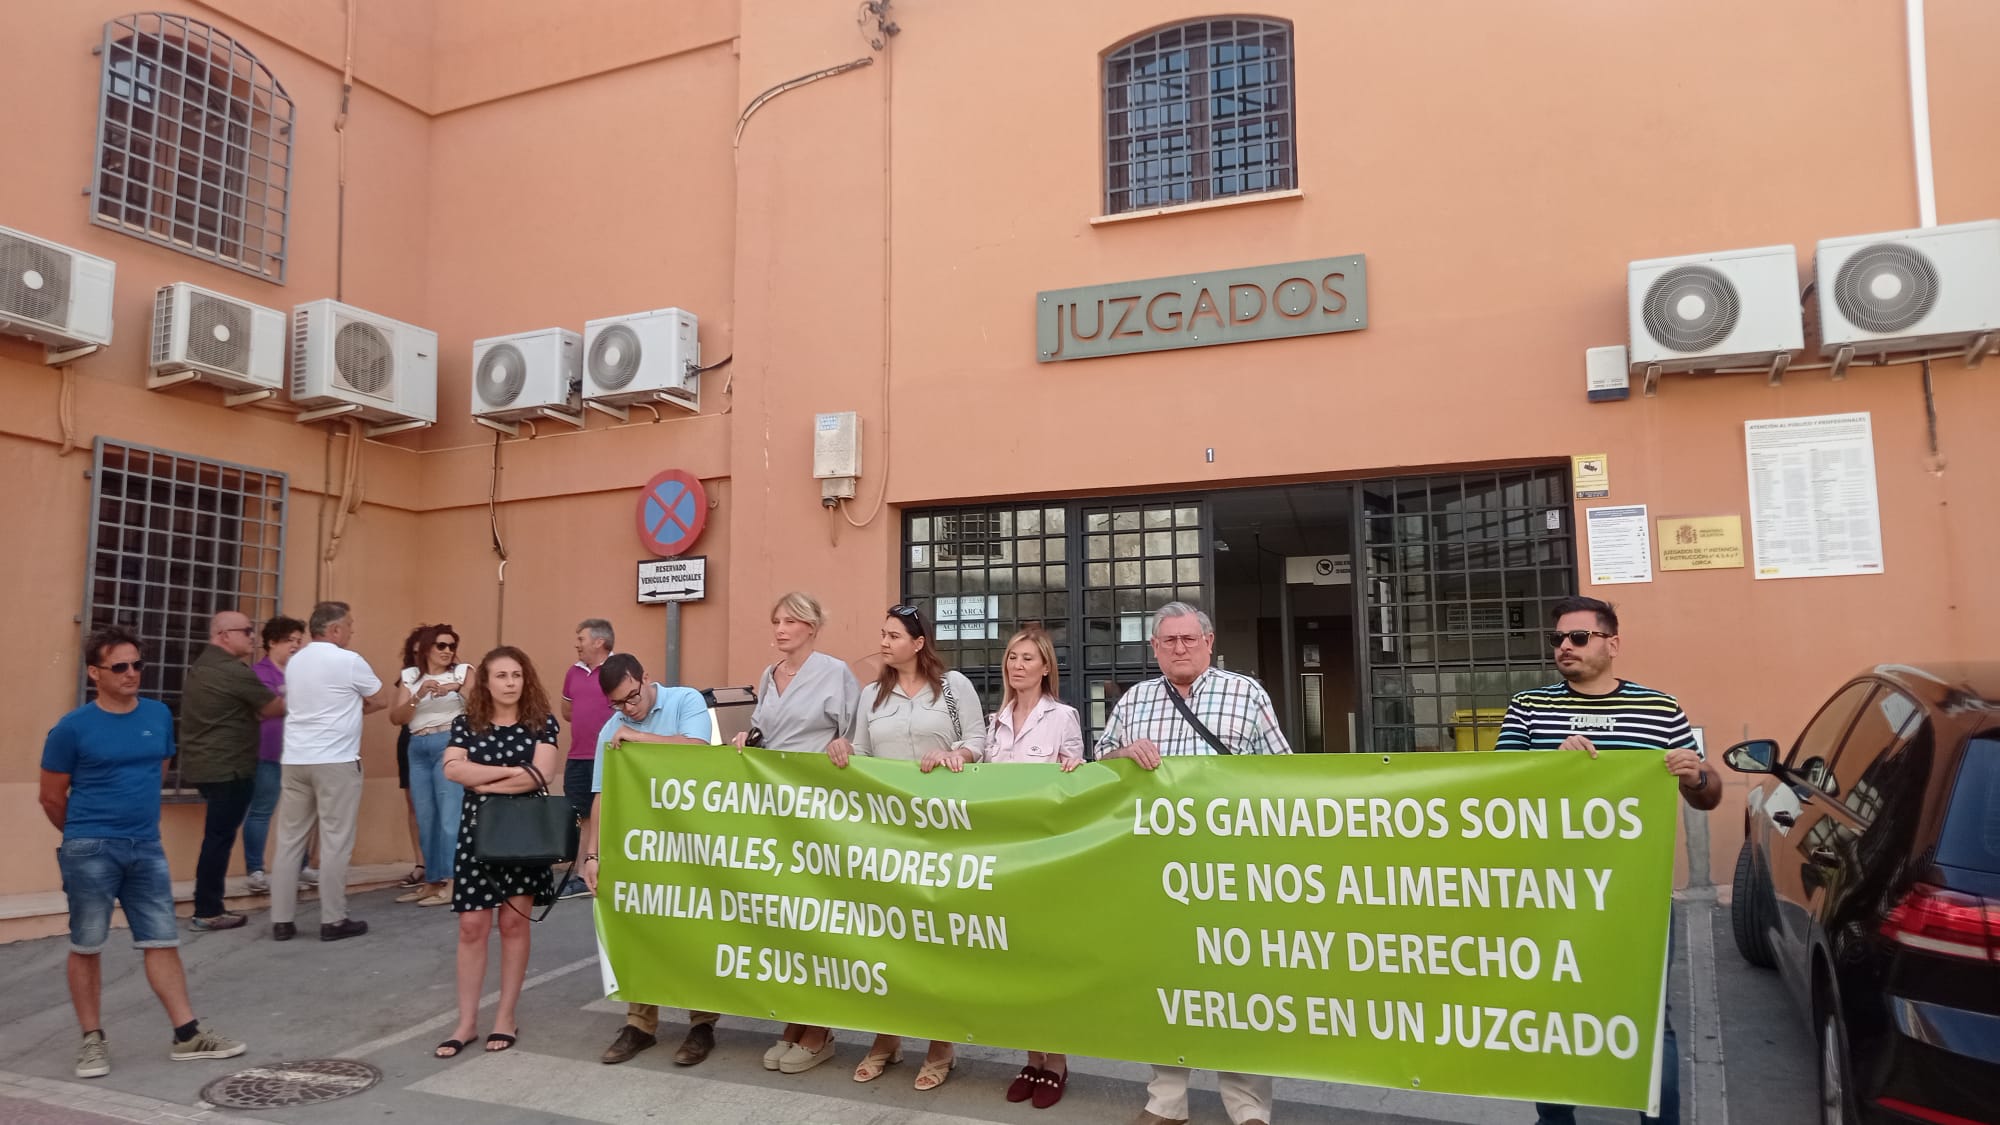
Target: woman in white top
{"points": [[806, 702], [919, 711], [428, 698], [1034, 726]]}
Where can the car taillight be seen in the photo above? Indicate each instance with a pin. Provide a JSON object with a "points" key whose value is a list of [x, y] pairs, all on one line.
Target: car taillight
{"points": [[1948, 922]]}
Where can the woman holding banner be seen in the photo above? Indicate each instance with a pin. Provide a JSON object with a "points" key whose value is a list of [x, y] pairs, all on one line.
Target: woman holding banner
{"points": [[1032, 726], [925, 713], [805, 702]]}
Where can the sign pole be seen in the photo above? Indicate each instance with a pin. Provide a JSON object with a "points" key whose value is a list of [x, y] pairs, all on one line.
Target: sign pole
{"points": [[671, 674]]}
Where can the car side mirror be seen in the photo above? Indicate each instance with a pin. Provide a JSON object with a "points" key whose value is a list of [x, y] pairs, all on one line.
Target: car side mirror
{"points": [[1759, 755]]}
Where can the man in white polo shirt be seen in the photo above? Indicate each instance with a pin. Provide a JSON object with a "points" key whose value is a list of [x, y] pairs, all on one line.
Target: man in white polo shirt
{"points": [[327, 690]]}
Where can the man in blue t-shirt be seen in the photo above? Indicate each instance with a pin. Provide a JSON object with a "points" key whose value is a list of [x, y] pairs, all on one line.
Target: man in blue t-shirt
{"points": [[645, 712], [101, 789]]}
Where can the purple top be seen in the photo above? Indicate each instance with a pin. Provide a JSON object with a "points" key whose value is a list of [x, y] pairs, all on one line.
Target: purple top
{"points": [[588, 710], [270, 732]]}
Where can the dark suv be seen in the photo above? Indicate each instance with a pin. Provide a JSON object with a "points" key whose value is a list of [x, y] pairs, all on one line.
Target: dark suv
{"points": [[1870, 878]]}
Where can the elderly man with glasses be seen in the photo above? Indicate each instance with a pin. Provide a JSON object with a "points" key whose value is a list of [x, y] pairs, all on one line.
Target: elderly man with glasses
{"points": [[1591, 710], [1194, 708], [222, 701]]}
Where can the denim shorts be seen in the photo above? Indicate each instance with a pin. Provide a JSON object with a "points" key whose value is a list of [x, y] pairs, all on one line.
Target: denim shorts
{"points": [[134, 873]]}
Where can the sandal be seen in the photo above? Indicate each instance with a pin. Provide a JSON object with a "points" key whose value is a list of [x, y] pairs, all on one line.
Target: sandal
{"points": [[415, 878], [1049, 1087], [934, 1072], [449, 1049], [874, 1063], [1023, 1086], [506, 1042]]}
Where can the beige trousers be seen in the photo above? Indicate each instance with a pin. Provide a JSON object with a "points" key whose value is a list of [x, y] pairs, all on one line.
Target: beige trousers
{"points": [[331, 793], [646, 1017], [1245, 1097]]}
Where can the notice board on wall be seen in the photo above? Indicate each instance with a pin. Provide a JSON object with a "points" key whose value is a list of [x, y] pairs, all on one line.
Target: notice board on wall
{"points": [[1813, 508]]}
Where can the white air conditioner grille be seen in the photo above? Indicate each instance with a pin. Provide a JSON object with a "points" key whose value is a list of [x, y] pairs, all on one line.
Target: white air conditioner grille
{"points": [[614, 357], [218, 333], [502, 375], [34, 281], [301, 353], [163, 325], [364, 358], [1886, 287], [1692, 308]]}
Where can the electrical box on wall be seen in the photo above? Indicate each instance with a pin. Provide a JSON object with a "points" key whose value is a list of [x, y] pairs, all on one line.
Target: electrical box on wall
{"points": [[836, 454]]}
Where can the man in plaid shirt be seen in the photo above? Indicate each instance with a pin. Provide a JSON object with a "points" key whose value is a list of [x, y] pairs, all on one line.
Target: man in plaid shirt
{"points": [[1145, 726]]}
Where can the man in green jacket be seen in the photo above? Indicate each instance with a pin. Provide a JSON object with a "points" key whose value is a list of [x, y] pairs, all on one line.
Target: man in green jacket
{"points": [[221, 703]]}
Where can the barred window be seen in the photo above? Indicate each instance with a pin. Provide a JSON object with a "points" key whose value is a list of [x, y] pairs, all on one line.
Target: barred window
{"points": [[173, 540], [194, 144], [1200, 110]]}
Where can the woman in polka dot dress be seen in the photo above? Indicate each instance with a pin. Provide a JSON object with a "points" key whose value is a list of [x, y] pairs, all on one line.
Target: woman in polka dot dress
{"points": [[507, 726]]}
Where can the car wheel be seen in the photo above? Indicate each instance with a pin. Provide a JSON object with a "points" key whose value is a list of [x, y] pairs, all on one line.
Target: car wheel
{"points": [[1747, 910], [1836, 1082]]}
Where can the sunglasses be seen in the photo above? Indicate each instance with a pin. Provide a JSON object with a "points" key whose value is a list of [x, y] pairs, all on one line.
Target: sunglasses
{"points": [[445, 646], [911, 618], [124, 666], [1576, 637]]}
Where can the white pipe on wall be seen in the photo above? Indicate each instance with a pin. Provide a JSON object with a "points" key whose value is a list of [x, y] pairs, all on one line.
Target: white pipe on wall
{"points": [[1920, 113]]}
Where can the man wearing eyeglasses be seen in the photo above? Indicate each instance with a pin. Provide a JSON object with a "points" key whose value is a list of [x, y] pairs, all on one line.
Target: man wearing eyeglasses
{"points": [[1591, 710], [1193, 709], [101, 789], [221, 703], [643, 711]]}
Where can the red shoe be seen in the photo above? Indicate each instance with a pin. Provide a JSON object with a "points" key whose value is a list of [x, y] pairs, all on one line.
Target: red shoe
{"points": [[1049, 1087], [1023, 1086]]}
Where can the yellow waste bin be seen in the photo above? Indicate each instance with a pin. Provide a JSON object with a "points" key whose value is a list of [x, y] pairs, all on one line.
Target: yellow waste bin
{"points": [[1476, 728]]}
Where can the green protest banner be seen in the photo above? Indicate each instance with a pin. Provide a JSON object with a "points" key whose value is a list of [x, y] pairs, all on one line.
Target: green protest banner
{"points": [[1490, 924]]}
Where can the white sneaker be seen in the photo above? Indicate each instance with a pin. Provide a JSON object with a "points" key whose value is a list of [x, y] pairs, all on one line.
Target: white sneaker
{"points": [[308, 876], [259, 882]]}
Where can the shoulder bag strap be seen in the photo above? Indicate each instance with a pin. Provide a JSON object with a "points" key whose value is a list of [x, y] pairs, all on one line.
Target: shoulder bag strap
{"points": [[951, 706], [1188, 714]]}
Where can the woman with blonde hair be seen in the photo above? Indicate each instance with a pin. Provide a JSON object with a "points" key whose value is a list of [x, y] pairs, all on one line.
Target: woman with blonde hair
{"points": [[1033, 725], [920, 712], [805, 702]]}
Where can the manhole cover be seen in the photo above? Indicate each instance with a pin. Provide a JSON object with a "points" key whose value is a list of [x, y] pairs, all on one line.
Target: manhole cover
{"points": [[290, 1083]]}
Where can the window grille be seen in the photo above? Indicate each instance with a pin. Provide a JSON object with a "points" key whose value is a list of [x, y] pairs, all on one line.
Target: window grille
{"points": [[174, 539], [1200, 110], [194, 144]]}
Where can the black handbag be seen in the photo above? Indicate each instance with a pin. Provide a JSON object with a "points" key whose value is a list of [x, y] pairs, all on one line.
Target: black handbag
{"points": [[524, 828]]}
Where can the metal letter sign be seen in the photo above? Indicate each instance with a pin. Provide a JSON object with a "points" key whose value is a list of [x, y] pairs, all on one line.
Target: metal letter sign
{"points": [[673, 508], [1196, 310], [673, 580]]}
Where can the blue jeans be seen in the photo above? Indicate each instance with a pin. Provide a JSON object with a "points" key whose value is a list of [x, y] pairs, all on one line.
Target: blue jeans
{"points": [[257, 823], [98, 871], [439, 803]]}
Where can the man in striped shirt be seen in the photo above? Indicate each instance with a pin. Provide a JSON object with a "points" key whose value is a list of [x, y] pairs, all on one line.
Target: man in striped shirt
{"points": [[1592, 710], [1145, 726]]}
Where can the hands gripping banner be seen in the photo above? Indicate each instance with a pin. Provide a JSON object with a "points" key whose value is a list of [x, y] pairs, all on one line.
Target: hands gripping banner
{"points": [[1491, 924]]}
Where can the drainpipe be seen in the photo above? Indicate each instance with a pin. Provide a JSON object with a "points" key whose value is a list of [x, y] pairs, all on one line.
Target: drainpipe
{"points": [[1920, 113]]}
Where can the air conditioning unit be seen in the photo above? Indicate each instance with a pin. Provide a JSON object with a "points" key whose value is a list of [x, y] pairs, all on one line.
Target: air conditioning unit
{"points": [[54, 295], [1909, 291], [645, 357], [207, 336], [349, 361], [1707, 312], [528, 374]]}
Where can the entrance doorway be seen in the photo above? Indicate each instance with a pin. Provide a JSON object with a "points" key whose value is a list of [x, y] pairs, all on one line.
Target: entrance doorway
{"points": [[1413, 641]]}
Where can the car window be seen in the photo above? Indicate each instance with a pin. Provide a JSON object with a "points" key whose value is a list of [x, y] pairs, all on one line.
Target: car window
{"points": [[1971, 836], [1867, 757], [1814, 751]]}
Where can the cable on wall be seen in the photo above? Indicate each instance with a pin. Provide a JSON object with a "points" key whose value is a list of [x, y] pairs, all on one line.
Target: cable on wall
{"points": [[880, 9], [499, 546]]}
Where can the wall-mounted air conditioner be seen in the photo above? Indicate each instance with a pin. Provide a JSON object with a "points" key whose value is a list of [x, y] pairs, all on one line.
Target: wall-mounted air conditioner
{"points": [[1909, 291], [528, 375], [1705, 312], [349, 361], [54, 295], [644, 357], [216, 339]]}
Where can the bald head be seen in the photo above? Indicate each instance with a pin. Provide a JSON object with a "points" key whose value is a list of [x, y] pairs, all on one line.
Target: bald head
{"points": [[233, 633]]}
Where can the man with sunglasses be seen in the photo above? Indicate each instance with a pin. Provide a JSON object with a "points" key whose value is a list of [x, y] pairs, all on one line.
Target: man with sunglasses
{"points": [[222, 701], [1591, 710], [101, 789], [644, 711]]}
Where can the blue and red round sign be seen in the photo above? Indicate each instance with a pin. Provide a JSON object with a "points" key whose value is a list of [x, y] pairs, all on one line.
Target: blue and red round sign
{"points": [[673, 509]]}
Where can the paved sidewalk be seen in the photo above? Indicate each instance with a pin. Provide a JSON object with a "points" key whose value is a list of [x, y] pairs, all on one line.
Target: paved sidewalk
{"points": [[25, 1100]]}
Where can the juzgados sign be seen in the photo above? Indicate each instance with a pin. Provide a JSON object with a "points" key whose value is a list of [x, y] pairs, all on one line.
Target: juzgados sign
{"points": [[1487, 924], [1197, 310]]}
